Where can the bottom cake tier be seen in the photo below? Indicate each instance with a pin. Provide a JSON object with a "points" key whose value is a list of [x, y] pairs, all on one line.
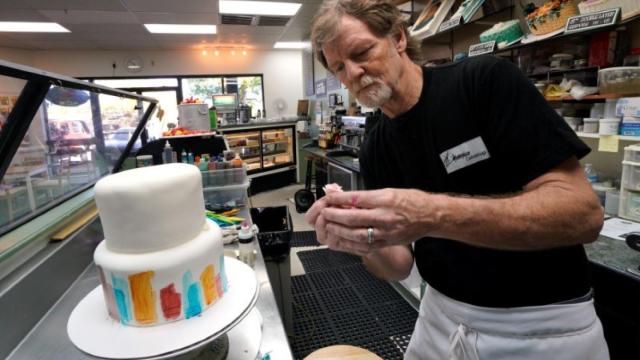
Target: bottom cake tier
{"points": [[163, 286]]}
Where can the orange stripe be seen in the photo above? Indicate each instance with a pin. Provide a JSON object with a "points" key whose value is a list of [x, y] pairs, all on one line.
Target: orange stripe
{"points": [[209, 284], [143, 297]]}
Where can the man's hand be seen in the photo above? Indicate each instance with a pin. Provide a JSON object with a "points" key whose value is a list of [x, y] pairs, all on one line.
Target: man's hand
{"points": [[397, 216]]}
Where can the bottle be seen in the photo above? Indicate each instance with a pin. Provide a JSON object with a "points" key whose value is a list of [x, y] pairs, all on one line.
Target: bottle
{"points": [[184, 157], [174, 157], [238, 172], [167, 154], [213, 118], [591, 173], [190, 159], [245, 240]]}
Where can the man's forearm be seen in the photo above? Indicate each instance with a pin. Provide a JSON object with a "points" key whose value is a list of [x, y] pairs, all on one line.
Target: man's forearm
{"points": [[539, 219], [390, 263]]}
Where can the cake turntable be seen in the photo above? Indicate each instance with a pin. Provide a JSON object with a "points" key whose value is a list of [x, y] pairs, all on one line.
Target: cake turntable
{"points": [[93, 332]]}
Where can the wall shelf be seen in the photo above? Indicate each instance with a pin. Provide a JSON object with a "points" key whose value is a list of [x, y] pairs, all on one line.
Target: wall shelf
{"points": [[597, 136], [595, 97]]}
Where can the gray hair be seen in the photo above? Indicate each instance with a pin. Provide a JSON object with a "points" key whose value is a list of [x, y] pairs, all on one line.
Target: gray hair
{"points": [[381, 17]]}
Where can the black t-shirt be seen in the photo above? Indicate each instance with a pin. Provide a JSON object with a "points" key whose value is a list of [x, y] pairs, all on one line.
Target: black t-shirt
{"points": [[479, 128]]}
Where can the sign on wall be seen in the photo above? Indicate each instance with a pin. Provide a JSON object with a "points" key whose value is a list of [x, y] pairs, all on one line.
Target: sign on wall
{"points": [[332, 82], [321, 87]]}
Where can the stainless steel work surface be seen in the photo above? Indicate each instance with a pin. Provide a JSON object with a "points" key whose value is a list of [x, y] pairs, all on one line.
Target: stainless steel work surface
{"points": [[49, 340]]}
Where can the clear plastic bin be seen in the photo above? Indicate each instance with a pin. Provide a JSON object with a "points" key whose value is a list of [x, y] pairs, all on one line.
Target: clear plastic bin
{"points": [[221, 197], [631, 175], [224, 177], [629, 205], [632, 153]]}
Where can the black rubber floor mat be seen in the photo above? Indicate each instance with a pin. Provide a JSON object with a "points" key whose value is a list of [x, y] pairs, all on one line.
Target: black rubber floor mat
{"points": [[300, 284], [383, 347], [356, 325], [304, 238], [311, 335], [325, 259], [377, 292], [342, 299], [306, 306], [329, 279], [357, 273], [397, 317], [401, 342]]}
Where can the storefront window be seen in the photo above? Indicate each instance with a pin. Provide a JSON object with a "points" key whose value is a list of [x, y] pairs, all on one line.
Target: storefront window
{"points": [[201, 88], [138, 83], [250, 93]]}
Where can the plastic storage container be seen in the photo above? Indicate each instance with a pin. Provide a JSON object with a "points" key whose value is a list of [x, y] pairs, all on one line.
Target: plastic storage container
{"points": [[224, 177], [629, 207], [274, 231], [609, 126], [632, 153], [631, 175], [619, 80], [221, 197], [612, 202], [591, 125]]}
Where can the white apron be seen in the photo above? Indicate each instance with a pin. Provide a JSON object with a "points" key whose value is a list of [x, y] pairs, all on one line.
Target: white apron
{"points": [[452, 330]]}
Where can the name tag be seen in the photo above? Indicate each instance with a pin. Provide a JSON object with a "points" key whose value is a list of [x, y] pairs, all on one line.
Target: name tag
{"points": [[465, 154]]}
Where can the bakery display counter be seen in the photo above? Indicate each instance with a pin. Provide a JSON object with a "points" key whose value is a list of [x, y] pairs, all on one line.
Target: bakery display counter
{"points": [[49, 340]]}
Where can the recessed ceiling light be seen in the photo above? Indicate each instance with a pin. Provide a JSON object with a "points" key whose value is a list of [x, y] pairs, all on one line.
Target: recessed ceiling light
{"points": [[180, 29], [258, 8], [291, 45], [22, 26]]}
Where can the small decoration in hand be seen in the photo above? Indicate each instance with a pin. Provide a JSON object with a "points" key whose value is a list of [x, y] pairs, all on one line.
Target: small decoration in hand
{"points": [[332, 188]]}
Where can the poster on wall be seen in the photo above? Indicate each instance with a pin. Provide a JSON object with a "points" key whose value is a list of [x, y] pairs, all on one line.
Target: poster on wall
{"points": [[307, 72], [332, 82], [321, 87]]}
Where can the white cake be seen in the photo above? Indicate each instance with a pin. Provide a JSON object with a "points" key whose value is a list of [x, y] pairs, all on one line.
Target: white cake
{"points": [[161, 259]]}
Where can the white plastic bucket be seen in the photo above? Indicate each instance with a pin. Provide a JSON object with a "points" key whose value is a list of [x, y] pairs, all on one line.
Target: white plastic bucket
{"points": [[609, 126]]}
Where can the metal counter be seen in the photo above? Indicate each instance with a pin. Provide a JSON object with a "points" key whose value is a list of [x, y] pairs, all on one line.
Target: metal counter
{"points": [[49, 340]]}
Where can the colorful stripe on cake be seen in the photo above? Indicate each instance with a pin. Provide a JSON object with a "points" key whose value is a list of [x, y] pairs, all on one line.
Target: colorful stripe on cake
{"points": [[121, 296], [170, 302], [225, 284], [143, 297], [107, 290], [209, 284], [192, 304]]}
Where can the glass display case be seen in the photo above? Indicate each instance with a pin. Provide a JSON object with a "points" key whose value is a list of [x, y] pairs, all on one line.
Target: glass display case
{"points": [[247, 145], [58, 136], [264, 148]]}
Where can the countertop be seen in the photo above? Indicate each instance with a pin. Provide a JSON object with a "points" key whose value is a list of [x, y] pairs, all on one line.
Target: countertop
{"points": [[615, 254], [49, 340], [349, 162], [256, 125]]}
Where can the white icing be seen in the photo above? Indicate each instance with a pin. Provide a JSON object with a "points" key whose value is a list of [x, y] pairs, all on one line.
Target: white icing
{"points": [[151, 208], [168, 266]]}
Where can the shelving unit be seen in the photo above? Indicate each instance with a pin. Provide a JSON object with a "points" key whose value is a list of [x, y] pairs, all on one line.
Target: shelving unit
{"points": [[597, 136], [589, 97], [262, 149]]}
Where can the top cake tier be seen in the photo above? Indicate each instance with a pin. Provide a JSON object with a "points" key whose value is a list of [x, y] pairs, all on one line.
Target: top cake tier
{"points": [[151, 208]]}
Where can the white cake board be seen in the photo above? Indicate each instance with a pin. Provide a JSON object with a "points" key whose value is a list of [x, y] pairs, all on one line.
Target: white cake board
{"points": [[529, 38], [93, 331], [246, 337]]}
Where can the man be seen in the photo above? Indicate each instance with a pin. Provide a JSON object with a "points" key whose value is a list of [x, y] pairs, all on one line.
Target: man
{"points": [[476, 178]]}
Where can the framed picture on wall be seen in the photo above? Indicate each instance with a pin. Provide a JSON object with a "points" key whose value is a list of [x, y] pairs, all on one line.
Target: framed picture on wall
{"points": [[321, 87], [431, 17]]}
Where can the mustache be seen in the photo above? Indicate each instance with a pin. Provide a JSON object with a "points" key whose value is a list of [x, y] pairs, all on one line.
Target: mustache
{"points": [[366, 81]]}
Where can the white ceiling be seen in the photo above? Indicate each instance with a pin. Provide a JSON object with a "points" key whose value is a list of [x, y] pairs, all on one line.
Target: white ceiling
{"points": [[118, 24]]}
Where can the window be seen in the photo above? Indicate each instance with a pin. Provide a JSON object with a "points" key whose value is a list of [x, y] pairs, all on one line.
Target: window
{"points": [[201, 88], [138, 83]]}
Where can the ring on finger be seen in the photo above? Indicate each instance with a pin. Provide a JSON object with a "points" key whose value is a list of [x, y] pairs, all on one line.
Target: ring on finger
{"points": [[370, 235]]}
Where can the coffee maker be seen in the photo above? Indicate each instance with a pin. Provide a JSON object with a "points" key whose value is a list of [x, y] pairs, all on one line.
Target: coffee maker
{"points": [[352, 132]]}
